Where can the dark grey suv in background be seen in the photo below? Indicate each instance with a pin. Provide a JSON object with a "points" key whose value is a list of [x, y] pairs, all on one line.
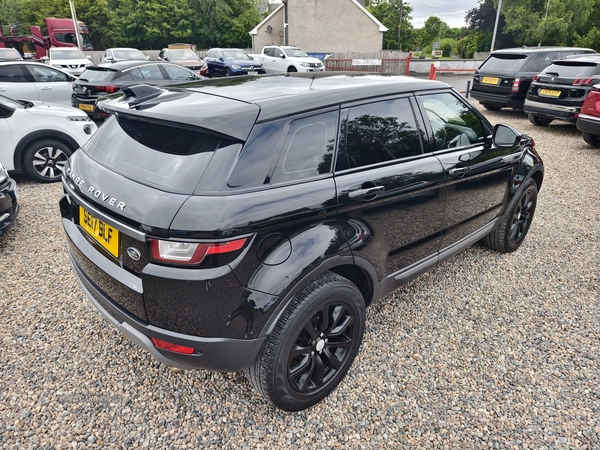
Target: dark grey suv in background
{"points": [[504, 77], [246, 223]]}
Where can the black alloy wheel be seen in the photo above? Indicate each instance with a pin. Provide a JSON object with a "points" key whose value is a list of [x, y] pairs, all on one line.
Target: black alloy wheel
{"points": [[227, 72], [313, 345], [515, 223]]}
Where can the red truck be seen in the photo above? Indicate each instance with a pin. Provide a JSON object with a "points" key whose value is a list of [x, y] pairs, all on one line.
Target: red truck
{"points": [[60, 33]]}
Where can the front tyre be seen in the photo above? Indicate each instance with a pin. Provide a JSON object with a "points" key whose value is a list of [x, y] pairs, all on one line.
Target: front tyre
{"points": [[292, 69], [515, 223], [312, 346], [45, 159]]}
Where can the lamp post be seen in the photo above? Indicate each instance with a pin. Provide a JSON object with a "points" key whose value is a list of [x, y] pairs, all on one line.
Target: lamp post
{"points": [[544, 23], [75, 24], [496, 25]]}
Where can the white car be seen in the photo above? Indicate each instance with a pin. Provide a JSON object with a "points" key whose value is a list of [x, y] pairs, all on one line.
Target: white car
{"points": [[123, 54], [24, 80], [69, 59], [38, 137]]}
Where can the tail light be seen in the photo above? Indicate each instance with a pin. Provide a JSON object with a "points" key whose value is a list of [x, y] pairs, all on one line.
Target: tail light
{"points": [[108, 89], [536, 77], [591, 104], [515, 85], [190, 253], [582, 81]]}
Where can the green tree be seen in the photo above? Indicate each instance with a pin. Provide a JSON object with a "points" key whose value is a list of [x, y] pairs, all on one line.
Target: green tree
{"points": [[151, 24], [387, 12], [566, 20]]}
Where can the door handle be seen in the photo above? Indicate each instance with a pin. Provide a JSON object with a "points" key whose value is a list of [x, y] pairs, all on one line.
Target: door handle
{"points": [[362, 193], [46, 88], [458, 171], [511, 158]]}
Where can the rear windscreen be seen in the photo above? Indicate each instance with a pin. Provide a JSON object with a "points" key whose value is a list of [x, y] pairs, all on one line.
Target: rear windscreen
{"points": [[572, 69], [97, 74], [503, 63], [159, 155]]}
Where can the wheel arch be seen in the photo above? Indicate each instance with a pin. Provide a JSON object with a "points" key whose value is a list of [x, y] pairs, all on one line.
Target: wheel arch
{"points": [[359, 272], [38, 135]]}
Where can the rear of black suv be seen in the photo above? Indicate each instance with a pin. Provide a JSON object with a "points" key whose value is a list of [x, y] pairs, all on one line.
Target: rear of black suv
{"points": [[246, 223], [560, 90], [503, 79]]}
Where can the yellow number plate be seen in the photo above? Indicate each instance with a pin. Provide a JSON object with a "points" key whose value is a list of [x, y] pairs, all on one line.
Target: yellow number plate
{"points": [[104, 234], [550, 92], [490, 80], [85, 107]]}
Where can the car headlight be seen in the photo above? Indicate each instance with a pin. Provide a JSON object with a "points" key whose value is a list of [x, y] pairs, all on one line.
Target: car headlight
{"points": [[3, 174], [57, 65], [235, 66], [305, 64]]}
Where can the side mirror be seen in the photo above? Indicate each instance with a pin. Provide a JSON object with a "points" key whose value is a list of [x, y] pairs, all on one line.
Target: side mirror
{"points": [[147, 58], [221, 59], [283, 56], [505, 136], [251, 57], [44, 59], [89, 57]]}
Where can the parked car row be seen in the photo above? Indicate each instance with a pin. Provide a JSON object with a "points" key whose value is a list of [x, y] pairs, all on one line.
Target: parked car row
{"points": [[547, 83]]}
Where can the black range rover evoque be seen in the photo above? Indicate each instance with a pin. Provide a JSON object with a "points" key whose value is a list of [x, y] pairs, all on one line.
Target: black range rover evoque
{"points": [[246, 223]]}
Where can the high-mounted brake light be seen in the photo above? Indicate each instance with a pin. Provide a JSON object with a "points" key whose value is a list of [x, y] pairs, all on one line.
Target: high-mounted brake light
{"points": [[190, 253], [159, 343]]}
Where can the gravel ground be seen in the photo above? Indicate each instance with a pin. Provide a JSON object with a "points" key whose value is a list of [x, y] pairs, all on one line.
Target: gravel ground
{"points": [[488, 350]]}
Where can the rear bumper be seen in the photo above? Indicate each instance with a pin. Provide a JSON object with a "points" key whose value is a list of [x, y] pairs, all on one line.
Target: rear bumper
{"points": [[551, 111], [85, 105], [498, 100], [214, 353], [9, 208], [588, 124]]}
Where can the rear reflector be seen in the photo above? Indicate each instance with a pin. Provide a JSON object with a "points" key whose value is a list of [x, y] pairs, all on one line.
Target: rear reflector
{"points": [[159, 343], [515, 85]]}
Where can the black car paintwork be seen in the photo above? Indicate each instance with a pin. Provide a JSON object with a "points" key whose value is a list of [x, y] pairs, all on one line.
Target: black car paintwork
{"points": [[295, 231]]}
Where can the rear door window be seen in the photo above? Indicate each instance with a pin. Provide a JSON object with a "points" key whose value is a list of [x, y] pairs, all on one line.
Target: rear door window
{"points": [[539, 61], [148, 72], [378, 132]]}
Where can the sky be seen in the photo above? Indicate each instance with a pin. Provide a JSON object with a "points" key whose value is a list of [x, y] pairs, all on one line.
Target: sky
{"points": [[450, 11]]}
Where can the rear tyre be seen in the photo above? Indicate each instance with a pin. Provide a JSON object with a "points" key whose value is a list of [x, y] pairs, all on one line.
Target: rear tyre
{"points": [[292, 69], [491, 107], [539, 121], [592, 139], [44, 160], [515, 223], [312, 346]]}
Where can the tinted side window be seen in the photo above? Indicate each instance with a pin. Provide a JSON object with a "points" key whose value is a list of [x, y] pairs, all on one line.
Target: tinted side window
{"points": [[148, 72], [454, 124], [178, 73], [278, 53], [12, 74], [47, 74], [269, 51], [538, 62], [378, 132], [308, 148]]}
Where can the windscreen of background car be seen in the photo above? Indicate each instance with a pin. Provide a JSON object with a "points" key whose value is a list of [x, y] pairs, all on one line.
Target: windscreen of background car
{"points": [[154, 154], [66, 54], [503, 63], [572, 69]]}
